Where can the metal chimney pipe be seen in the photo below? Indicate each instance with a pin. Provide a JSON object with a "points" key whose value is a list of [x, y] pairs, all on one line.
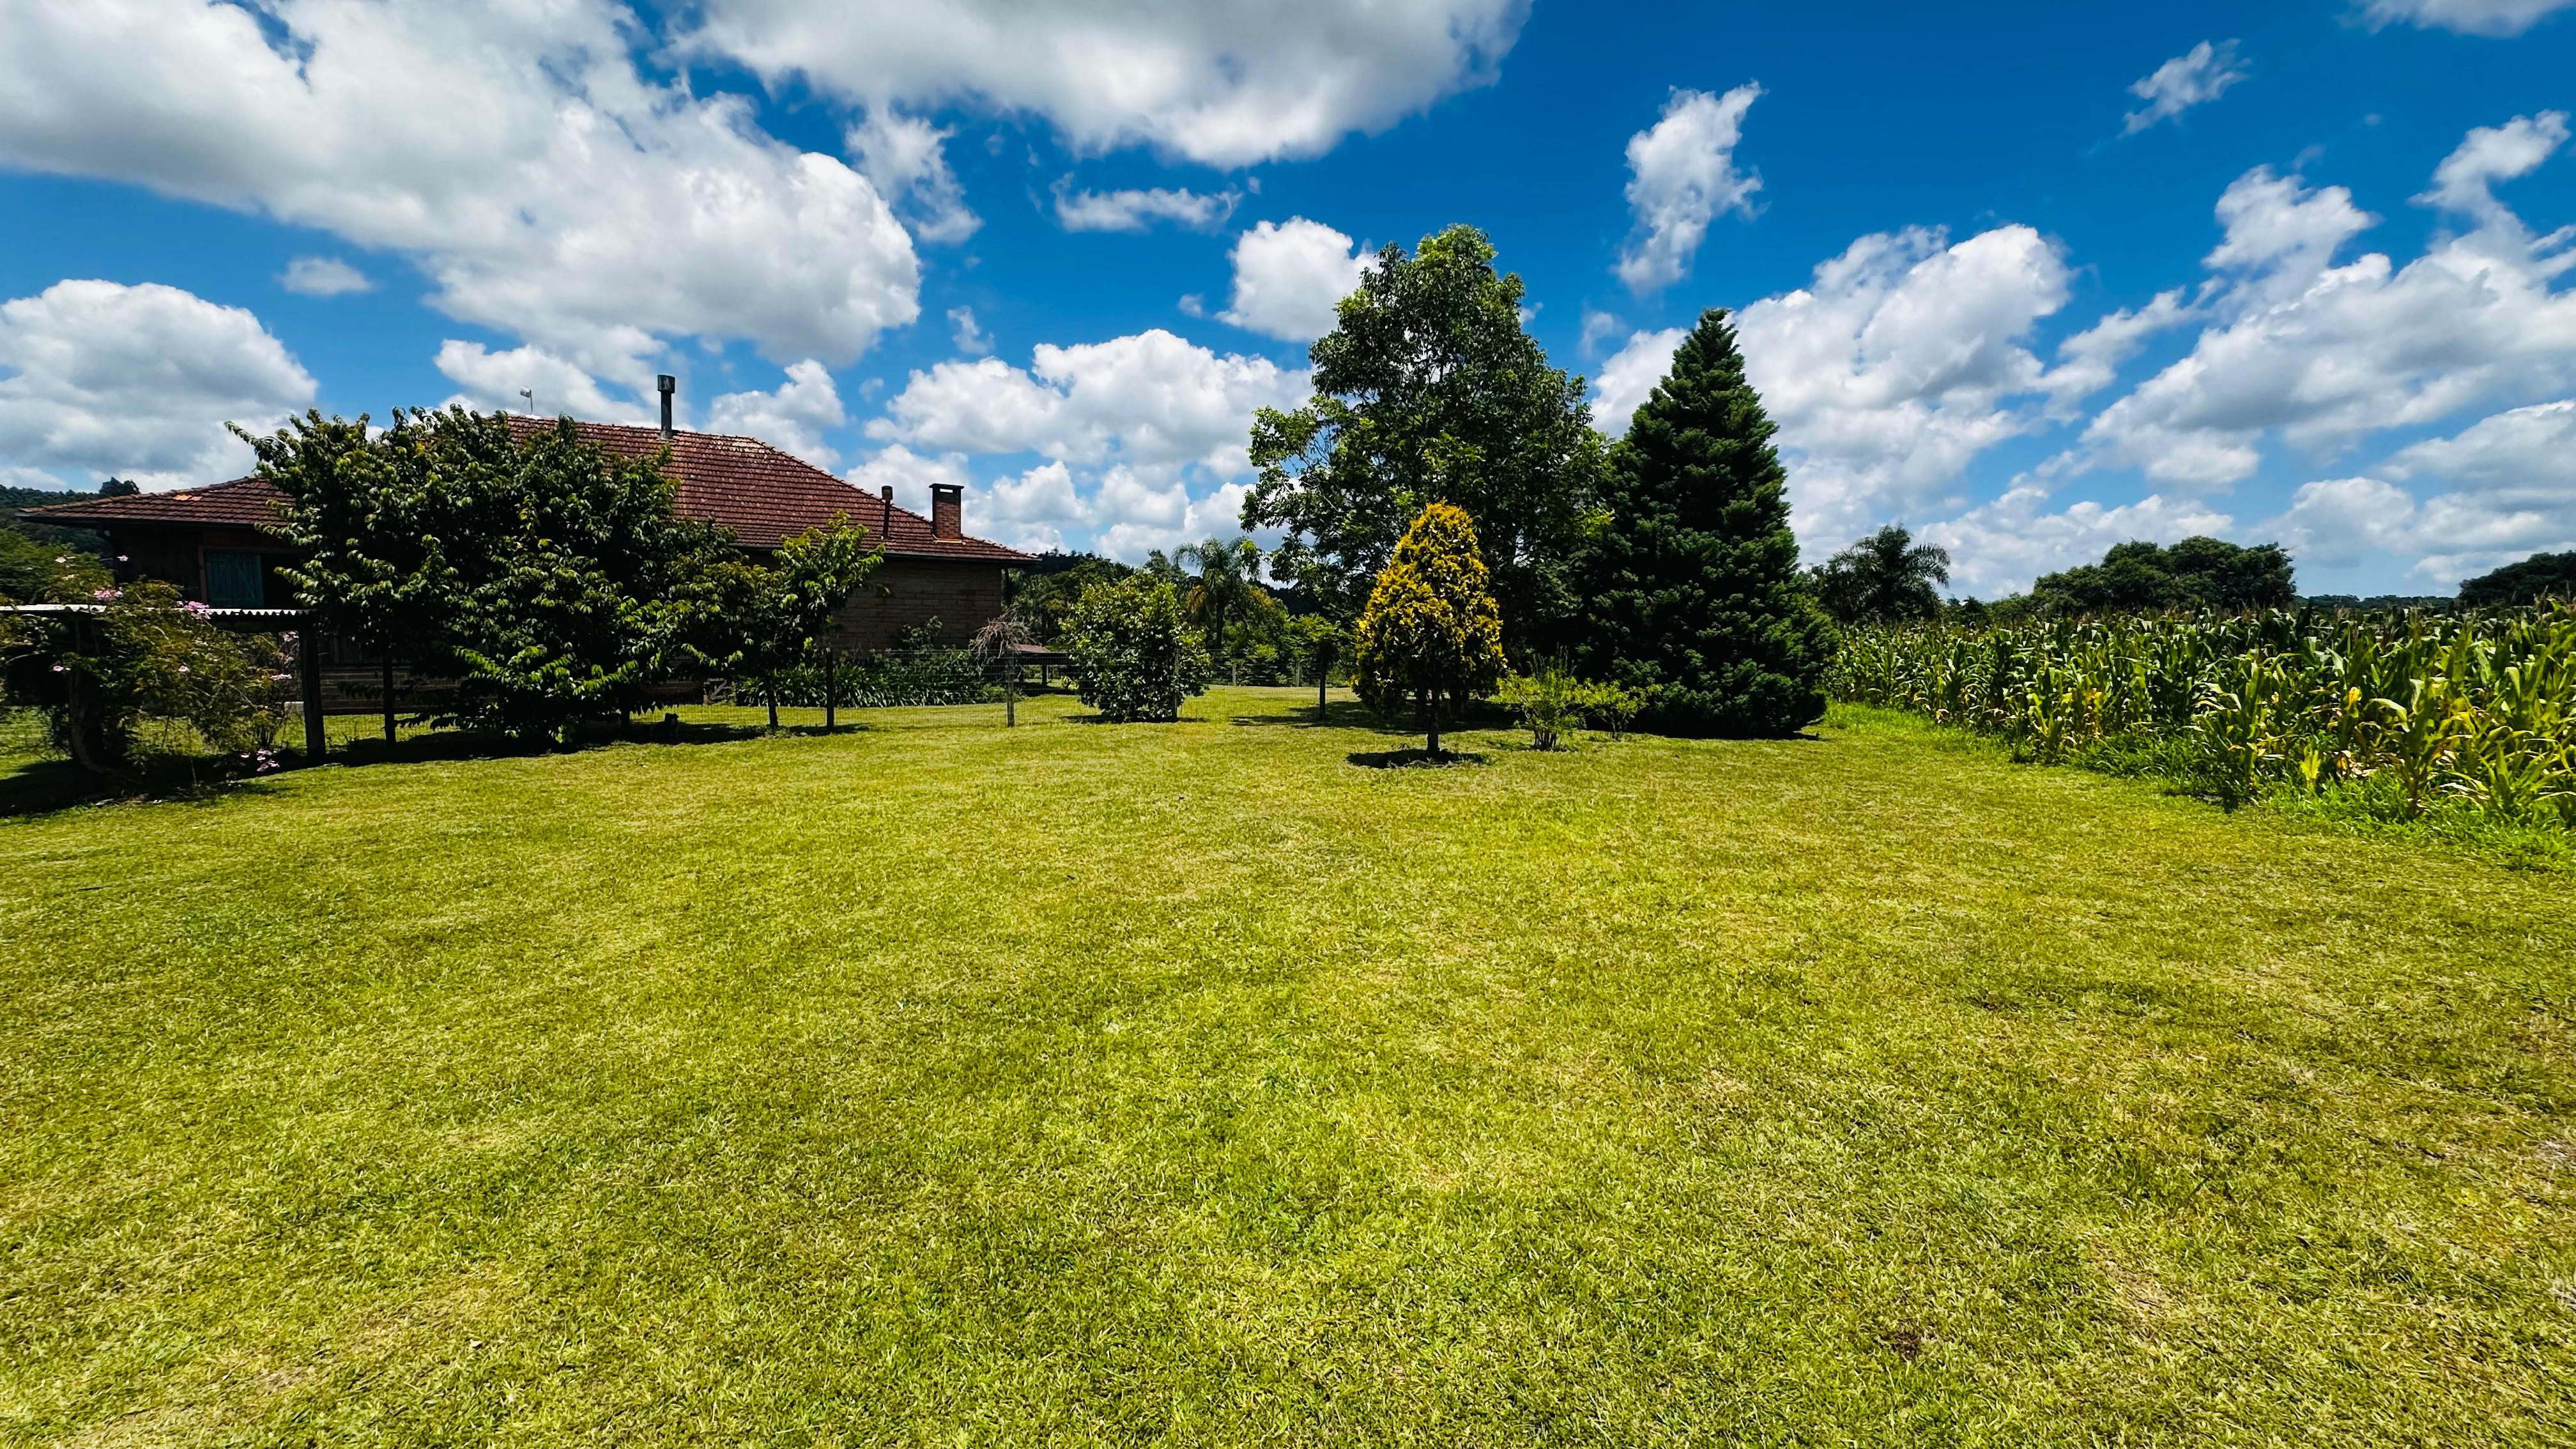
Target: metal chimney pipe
{"points": [[886, 530], [666, 384]]}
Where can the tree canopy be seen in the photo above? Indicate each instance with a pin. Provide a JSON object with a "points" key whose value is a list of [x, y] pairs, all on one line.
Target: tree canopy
{"points": [[1428, 390], [2197, 573], [1431, 638], [554, 579], [1691, 586], [1886, 578], [2550, 575]]}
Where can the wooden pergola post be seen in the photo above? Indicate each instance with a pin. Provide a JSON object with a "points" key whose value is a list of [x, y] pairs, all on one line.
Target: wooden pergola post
{"points": [[308, 668]]}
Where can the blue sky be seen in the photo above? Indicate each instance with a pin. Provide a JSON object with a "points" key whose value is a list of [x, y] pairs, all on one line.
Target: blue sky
{"points": [[2029, 278]]}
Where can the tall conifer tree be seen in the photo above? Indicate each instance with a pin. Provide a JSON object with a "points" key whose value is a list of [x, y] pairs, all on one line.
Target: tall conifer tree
{"points": [[1692, 590]]}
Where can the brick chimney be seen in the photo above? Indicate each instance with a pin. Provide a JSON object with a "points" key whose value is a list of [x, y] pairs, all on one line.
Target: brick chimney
{"points": [[947, 510]]}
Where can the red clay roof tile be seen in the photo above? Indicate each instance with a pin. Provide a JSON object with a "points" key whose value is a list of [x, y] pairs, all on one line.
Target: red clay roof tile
{"points": [[763, 495]]}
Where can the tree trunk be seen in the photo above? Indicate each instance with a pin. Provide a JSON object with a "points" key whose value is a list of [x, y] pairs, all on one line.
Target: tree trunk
{"points": [[1011, 695], [1320, 676], [831, 689], [385, 682], [770, 681]]}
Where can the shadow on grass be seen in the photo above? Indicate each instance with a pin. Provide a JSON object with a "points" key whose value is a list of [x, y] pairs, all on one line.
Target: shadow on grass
{"points": [[1416, 759], [1350, 715]]}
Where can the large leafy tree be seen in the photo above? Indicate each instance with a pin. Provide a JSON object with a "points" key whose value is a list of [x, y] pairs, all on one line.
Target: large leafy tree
{"points": [[551, 578], [2551, 575], [1692, 594], [2197, 573], [393, 529], [1431, 638], [1886, 578], [1428, 389]]}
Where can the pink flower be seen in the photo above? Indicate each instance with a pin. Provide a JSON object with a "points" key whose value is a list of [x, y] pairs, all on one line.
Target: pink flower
{"points": [[183, 669], [104, 594], [58, 669], [200, 609], [120, 558], [281, 678]]}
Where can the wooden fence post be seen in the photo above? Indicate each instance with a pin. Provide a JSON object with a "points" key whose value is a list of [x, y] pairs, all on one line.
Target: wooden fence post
{"points": [[831, 690]]}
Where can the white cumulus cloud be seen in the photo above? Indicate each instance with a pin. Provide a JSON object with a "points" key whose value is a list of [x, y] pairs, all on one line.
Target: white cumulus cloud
{"points": [[1138, 210], [531, 380], [100, 379], [1223, 82], [2468, 17], [2323, 353], [1288, 276], [906, 158], [1905, 358], [1631, 375], [1147, 399], [793, 417], [515, 152], [1682, 174], [2196, 77], [1141, 439], [323, 277]]}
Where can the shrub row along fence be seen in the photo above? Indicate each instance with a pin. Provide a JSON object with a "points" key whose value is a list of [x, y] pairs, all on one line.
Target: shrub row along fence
{"points": [[2414, 712], [897, 677]]}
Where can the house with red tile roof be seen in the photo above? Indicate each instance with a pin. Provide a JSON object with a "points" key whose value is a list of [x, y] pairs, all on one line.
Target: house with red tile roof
{"points": [[213, 543]]}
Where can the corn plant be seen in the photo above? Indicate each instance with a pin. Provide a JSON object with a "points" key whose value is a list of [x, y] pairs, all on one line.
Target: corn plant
{"points": [[2474, 710]]}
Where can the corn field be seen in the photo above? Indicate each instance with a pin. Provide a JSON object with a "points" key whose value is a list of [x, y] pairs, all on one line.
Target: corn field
{"points": [[2417, 712]]}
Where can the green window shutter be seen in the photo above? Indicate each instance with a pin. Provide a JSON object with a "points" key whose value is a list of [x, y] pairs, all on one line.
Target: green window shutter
{"points": [[233, 580]]}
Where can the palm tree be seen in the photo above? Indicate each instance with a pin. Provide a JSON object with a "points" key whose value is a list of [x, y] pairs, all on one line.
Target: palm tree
{"points": [[1228, 581], [1885, 578]]}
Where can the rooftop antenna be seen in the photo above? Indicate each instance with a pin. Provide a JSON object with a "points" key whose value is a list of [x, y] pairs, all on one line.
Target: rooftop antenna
{"points": [[529, 395]]}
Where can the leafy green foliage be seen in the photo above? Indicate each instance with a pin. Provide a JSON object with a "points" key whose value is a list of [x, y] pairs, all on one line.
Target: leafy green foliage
{"points": [[1553, 703], [552, 578], [760, 618], [2197, 573], [40, 573], [2411, 714], [1692, 592], [2543, 575], [1886, 578], [1428, 389], [1227, 583], [147, 673], [1431, 638], [1134, 655], [1044, 591]]}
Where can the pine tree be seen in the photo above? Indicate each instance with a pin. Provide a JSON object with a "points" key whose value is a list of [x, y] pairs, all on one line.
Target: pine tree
{"points": [[1432, 636], [1692, 590]]}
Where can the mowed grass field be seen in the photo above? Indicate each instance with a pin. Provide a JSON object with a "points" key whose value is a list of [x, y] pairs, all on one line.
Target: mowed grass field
{"points": [[932, 1083]]}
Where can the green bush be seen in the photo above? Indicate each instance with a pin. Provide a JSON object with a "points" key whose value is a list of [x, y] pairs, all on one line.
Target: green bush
{"points": [[149, 676], [1134, 655]]}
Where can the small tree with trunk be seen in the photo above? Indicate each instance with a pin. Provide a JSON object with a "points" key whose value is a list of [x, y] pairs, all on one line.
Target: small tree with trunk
{"points": [[1319, 643], [774, 613], [997, 645], [1431, 638]]}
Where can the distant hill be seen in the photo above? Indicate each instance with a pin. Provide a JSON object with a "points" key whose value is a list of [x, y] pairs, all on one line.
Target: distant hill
{"points": [[14, 499]]}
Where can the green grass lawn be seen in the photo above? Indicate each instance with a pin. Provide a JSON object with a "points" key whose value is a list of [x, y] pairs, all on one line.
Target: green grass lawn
{"points": [[932, 1083]]}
